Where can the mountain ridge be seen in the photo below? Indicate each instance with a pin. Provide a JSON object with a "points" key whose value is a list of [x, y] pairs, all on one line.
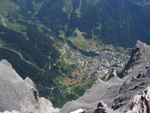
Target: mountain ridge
{"points": [[117, 93]]}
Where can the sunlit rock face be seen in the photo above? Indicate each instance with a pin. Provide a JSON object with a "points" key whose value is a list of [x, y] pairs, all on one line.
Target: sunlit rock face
{"points": [[18, 95], [141, 103]]}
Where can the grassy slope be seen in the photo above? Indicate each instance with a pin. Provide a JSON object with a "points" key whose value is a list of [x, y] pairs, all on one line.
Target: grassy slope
{"points": [[28, 46]]}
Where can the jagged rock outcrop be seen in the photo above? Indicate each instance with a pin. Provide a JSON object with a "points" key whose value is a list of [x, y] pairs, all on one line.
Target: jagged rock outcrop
{"points": [[137, 76], [21, 96], [18, 95], [140, 104], [94, 95], [118, 93], [139, 57]]}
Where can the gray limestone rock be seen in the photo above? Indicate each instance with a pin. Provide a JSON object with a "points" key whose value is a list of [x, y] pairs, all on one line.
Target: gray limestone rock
{"points": [[100, 91], [117, 93], [18, 95], [22, 95]]}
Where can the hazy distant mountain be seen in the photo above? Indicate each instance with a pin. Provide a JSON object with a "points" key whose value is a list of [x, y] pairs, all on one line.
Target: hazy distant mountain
{"points": [[118, 22]]}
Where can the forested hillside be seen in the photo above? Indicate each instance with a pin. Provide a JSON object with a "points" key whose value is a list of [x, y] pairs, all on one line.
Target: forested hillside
{"points": [[64, 45]]}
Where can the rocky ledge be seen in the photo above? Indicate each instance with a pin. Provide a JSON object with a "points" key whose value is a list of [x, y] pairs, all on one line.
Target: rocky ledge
{"points": [[121, 94], [118, 92], [18, 95]]}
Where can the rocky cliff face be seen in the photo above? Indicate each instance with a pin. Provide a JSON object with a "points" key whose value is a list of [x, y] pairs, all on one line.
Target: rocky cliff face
{"points": [[118, 93], [114, 96], [141, 102], [18, 95]]}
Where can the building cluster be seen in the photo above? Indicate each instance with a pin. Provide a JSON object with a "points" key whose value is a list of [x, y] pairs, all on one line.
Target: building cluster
{"points": [[105, 61]]}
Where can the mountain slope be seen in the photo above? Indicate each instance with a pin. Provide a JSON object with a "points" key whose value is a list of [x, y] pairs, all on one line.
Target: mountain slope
{"points": [[115, 22], [117, 93], [28, 46], [21, 96], [35, 36], [32, 50]]}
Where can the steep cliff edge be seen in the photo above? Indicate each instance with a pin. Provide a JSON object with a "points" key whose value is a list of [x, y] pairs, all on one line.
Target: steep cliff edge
{"points": [[118, 93], [136, 75], [18, 95]]}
